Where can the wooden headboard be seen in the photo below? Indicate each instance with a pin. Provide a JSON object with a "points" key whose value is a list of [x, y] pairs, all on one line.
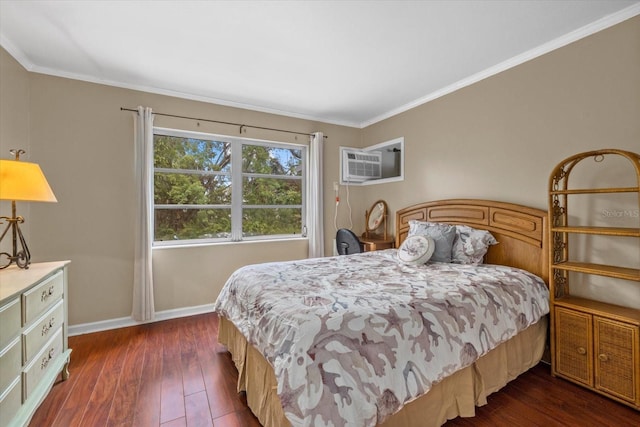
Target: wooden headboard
{"points": [[520, 230]]}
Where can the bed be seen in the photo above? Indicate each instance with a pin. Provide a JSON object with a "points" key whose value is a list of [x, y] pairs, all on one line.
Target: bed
{"points": [[324, 360]]}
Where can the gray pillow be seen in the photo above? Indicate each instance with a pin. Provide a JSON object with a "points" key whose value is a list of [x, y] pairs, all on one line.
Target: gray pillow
{"points": [[442, 234]]}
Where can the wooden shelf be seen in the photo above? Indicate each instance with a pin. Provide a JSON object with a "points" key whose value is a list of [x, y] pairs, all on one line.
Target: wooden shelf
{"points": [[603, 231], [598, 190], [601, 270], [587, 335], [599, 308]]}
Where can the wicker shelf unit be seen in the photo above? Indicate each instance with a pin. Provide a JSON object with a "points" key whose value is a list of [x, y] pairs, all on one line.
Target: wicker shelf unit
{"points": [[593, 343]]}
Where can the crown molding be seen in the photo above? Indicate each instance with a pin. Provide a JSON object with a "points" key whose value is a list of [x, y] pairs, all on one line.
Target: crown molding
{"points": [[585, 31], [580, 33], [186, 95], [16, 53]]}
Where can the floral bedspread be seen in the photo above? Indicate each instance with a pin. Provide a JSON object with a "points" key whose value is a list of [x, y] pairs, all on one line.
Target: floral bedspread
{"points": [[354, 338]]}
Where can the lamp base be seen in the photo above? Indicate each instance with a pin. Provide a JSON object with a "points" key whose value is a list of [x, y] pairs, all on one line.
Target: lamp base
{"points": [[21, 257]]}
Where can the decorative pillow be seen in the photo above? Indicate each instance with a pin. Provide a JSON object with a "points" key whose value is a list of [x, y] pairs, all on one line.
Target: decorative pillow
{"points": [[471, 245], [416, 250], [442, 234]]}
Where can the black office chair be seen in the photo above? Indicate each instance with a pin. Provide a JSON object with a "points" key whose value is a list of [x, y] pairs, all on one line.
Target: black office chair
{"points": [[347, 242]]}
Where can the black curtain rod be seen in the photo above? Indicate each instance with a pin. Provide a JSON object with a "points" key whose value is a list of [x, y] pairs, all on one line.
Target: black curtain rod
{"points": [[221, 122]]}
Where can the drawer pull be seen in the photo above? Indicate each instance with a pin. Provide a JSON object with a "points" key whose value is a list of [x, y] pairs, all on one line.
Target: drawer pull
{"points": [[47, 293], [603, 357], [47, 326], [47, 359], [582, 350]]}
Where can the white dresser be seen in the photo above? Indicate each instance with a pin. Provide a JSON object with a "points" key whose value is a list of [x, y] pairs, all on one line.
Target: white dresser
{"points": [[33, 337]]}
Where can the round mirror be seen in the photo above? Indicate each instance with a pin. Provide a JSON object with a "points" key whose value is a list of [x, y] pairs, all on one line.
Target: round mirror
{"points": [[376, 215]]}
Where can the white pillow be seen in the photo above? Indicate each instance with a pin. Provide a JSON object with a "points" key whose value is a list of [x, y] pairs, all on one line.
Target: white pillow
{"points": [[471, 245], [416, 250]]}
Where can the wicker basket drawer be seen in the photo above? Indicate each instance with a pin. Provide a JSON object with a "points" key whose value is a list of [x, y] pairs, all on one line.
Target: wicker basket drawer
{"points": [[10, 363], [9, 321], [41, 297], [42, 362], [10, 402], [574, 353], [616, 364], [38, 333]]}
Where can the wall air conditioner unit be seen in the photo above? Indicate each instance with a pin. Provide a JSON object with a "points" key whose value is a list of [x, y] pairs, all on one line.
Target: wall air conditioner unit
{"points": [[360, 166]]}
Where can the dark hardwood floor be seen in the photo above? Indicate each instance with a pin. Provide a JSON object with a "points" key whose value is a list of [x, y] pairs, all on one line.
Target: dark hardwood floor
{"points": [[174, 373]]}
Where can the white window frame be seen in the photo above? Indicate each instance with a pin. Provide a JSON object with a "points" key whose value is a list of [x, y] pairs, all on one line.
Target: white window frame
{"points": [[236, 175]]}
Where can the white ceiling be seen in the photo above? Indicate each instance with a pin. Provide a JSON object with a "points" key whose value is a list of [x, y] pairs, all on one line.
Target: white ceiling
{"points": [[350, 62]]}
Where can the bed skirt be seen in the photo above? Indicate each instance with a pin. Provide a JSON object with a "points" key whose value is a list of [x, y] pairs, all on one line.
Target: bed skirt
{"points": [[457, 395]]}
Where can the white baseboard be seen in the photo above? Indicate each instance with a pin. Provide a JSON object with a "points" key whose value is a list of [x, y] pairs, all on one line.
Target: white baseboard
{"points": [[123, 322]]}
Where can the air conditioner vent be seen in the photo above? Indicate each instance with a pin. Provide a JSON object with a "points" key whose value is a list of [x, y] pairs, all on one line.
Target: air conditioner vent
{"points": [[359, 166]]}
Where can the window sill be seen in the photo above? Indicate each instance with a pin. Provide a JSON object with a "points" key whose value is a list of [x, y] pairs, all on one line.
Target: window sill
{"points": [[193, 244]]}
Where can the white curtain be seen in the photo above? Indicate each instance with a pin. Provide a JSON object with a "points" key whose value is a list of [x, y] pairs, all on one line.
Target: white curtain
{"points": [[315, 221], [143, 307]]}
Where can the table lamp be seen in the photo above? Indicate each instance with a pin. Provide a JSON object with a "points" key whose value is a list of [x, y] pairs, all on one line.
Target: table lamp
{"points": [[20, 181]]}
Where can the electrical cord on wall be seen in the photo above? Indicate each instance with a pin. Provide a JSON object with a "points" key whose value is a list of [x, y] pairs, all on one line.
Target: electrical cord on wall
{"points": [[336, 190], [349, 206], [335, 212]]}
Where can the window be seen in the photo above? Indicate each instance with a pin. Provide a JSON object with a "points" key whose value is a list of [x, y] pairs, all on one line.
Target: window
{"points": [[220, 188]]}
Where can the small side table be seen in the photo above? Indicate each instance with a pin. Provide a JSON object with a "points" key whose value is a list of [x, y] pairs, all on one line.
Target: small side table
{"points": [[376, 243]]}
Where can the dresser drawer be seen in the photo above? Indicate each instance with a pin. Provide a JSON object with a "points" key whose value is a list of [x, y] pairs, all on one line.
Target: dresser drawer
{"points": [[10, 363], [41, 363], [10, 402], [41, 297], [9, 321], [41, 330]]}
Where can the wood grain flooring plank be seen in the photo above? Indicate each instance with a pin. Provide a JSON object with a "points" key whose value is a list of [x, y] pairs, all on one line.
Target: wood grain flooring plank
{"points": [[220, 375], [147, 412], [571, 403], [192, 379], [243, 418], [124, 401], [197, 409], [247, 419], [72, 413], [178, 422], [538, 399], [172, 397], [49, 409], [523, 414], [104, 390]]}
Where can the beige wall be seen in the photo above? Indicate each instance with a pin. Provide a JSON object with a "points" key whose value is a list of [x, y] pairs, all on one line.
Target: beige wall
{"points": [[84, 144], [501, 137], [14, 105], [14, 125], [497, 139]]}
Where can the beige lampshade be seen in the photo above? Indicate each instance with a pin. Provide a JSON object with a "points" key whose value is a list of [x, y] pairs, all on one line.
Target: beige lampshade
{"points": [[24, 181]]}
